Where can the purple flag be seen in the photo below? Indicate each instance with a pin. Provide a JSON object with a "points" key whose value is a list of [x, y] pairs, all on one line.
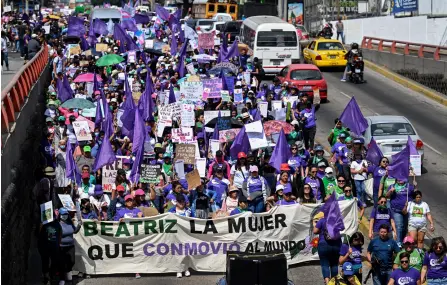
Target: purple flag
{"points": [[216, 128], [232, 52], [281, 153], [128, 116], [126, 42], [68, 87], [62, 94], [240, 144], [145, 104], [129, 24], [171, 95], [72, 170], [84, 44], [181, 67], [178, 14], [411, 145], [333, 216], [257, 115], [141, 19], [98, 116], [400, 165], [75, 26], [99, 27], [174, 45], [162, 13], [353, 118], [138, 145], [374, 154], [105, 155]]}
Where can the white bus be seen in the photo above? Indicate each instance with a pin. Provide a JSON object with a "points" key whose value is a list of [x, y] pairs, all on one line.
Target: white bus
{"points": [[273, 41]]}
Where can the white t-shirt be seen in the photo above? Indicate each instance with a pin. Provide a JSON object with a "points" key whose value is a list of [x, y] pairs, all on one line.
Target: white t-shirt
{"points": [[417, 214], [357, 166], [239, 176]]}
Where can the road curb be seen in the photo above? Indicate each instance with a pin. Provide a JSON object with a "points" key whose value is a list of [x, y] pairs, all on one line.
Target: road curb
{"points": [[427, 92]]}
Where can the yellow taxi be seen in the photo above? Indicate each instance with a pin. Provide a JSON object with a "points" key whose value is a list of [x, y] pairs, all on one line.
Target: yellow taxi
{"points": [[325, 53]]}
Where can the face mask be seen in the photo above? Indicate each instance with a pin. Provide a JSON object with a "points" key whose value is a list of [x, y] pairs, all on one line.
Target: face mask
{"points": [[62, 147], [329, 175], [96, 134], [64, 217], [382, 207], [111, 108]]}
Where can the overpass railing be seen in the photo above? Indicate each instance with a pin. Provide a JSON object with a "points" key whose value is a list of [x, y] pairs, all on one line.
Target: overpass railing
{"points": [[401, 47], [16, 92]]}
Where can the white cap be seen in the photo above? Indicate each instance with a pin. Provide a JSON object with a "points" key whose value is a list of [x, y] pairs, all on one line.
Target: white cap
{"points": [[328, 170], [114, 100]]}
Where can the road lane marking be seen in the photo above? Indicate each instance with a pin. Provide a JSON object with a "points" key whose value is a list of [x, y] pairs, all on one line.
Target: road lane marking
{"points": [[346, 95], [432, 148]]}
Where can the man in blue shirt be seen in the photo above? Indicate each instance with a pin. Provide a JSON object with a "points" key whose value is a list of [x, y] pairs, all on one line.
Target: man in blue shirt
{"points": [[381, 251]]}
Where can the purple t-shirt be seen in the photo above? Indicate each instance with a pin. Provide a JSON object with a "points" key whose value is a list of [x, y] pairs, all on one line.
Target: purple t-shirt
{"points": [[315, 185], [399, 196], [381, 217], [355, 257], [409, 277], [321, 225], [284, 202], [435, 269], [126, 213]]}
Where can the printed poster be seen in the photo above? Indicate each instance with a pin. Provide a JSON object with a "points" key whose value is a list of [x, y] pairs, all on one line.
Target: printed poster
{"points": [[206, 40], [109, 173], [46, 212], [82, 131], [67, 202], [295, 15]]}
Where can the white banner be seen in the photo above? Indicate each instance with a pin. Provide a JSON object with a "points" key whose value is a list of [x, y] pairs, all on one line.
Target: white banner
{"points": [[171, 243]]}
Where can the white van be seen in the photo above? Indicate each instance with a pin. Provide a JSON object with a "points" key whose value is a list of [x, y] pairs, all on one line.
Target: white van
{"points": [[273, 41], [106, 14]]}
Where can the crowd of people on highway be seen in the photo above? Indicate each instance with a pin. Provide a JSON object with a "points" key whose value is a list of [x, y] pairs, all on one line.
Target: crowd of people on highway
{"points": [[109, 79]]}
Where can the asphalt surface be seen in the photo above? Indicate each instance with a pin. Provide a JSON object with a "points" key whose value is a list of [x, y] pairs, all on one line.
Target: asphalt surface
{"points": [[379, 96], [15, 63]]}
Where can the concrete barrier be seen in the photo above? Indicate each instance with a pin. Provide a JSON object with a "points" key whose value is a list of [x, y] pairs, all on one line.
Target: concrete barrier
{"points": [[20, 158]]}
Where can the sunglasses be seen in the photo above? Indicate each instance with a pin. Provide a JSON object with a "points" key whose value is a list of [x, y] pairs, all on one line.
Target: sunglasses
{"points": [[439, 247], [347, 191], [384, 161], [382, 202], [341, 181], [404, 261], [294, 148], [313, 172]]}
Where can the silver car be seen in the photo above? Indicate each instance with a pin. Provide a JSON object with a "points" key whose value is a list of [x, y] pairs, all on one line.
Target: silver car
{"points": [[391, 134]]}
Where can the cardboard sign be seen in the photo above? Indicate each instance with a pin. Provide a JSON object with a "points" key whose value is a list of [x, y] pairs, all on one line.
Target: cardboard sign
{"points": [[186, 152], [415, 163], [182, 134], [225, 95], [238, 96], [191, 91], [187, 115], [228, 135], [193, 179], [179, 167], [101, 47], [75, 50], [201, 166], [209, 115], [46, 212], [82, 131], [67, 202], [317, 98], [88, 52], [109, 173], [150, 173], [223, 123], [83, 63], [211, 88], [206, 41]]}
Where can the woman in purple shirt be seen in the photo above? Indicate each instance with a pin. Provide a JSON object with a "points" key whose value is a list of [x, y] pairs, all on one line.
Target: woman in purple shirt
{"points": [[129, 211], [288, 198], [352, 253], [381, 215], [434, 269], [405, 274]]}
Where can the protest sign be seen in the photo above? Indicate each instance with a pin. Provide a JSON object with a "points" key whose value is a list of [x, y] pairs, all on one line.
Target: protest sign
{"points": [[247, 77], [131, 56], [276, 105], [228, 135], [47, 29], [179, 167], [193, 179], [101, 47], [217, 41], [201, 166], [263, 108], [415, 163], [186, 152], [88, 52], [191, 91], [150, 173], [6, 9], [225, 96], [160, 129], [230, 83], [169, 242], [190, 68], [239, 108], [149, 43], [46, 212], [226, 65], [82, 131], [109, 173], [292, 100], [209, 115], [238, 95], [206, 40], [256, 135], [168, 112], [83, 63], [75, 50], [223, 123], [182, 134], [211, 88], [187, 115], [214, 146], [67, 202], [317, 98]]}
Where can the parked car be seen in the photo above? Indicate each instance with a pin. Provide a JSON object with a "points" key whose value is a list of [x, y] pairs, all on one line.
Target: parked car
{"points": [[391, 134], [325, 53], [217, 27], [231, 30], [204, 25], [303, 36], [222, 17], [306, 77]]}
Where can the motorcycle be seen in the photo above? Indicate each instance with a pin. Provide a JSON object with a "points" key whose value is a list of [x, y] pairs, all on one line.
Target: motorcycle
{"points": [[357, 67]]}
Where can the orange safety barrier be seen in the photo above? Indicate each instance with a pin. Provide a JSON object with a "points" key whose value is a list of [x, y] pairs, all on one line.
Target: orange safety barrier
{"points": [[393, 45], [15, 93]]}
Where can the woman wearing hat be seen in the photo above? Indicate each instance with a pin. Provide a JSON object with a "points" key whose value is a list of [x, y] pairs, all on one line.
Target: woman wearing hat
{"points": [[231, 201], [287, 180], [288, 198], [100, 201], [129, 211], [67, 249], [239, 171], [121, 179], [257, 190]]}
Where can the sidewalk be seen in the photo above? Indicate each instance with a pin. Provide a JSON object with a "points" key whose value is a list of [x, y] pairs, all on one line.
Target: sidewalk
{"points": [[15, 63]]}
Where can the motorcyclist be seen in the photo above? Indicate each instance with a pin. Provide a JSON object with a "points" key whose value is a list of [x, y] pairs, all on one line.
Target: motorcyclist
{"points": [[349, 56], [326, 32]]}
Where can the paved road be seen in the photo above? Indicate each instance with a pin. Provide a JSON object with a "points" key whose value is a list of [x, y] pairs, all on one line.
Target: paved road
{"points": [[15, 63]]}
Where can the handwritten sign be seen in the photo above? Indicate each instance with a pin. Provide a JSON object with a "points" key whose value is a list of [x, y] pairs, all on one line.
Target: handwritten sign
{"points": [[228, 135], [191, 91], [223, 123], [209, 115], [187, 115], [211, 88], [101, 47], [201, 166], [238, 96], [181, 135], [206, 40], [193, 179], [82, 131], [225, 95], [150, 173], [109, 173], [186, 152]]}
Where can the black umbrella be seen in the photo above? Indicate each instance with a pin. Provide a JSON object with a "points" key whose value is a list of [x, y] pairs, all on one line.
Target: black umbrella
{"points": [[234, 123], [154, 51]]}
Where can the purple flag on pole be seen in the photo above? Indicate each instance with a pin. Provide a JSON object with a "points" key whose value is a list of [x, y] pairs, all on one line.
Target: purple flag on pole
{"points": [[128, 116], [138, 145], [400, 165], [62, 94], [75, 26], [72, 170], [171, 95], [145, 104], [126, 42], [413, 149], [353, 118], [105, 155], [257, 115], [98, 117], [141, 19], [232, 52], [181, 67], [162, 12], [333, 216], [240, 144], [99, 27], [281, 153], [216, 128], [374, 154], [129, 24], [174, 45]]}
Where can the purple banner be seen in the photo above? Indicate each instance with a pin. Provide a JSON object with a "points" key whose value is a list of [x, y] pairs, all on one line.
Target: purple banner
{"points": [[211, 88]]}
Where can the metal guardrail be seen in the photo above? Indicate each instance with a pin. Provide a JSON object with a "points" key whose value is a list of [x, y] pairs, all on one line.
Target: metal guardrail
{"points": [[16, 92], [393, 46]]}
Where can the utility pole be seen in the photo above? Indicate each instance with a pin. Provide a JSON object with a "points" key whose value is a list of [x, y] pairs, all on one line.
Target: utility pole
{"points": [[26, 6], [338, 9]]}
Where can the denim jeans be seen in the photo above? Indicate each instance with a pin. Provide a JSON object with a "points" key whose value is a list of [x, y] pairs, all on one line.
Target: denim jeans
{"points": [[381, 277], [329, 254], [401, 222], [437, 281], [360, 187], [342, 36], [257, 205], [5, 59]]}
